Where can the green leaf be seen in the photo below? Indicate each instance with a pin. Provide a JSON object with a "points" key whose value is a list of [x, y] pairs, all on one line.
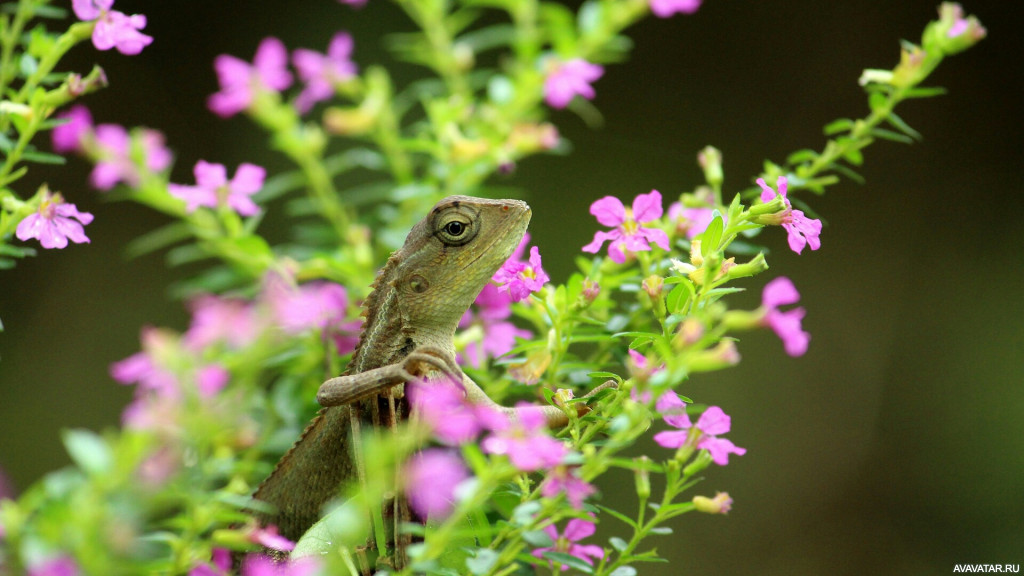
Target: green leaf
{"points": [[924, 92], [890, 135], [612, 375], [42, 157], [902, 126], [624, 571], [88, 450], [568, 560], [27, 65], [618, 543], [484, 560], [805, 155], [345, 525], [679, 295], [877, 101], [619, 515], [538, 539], [524, 513], [712, 236], [837, 126]]}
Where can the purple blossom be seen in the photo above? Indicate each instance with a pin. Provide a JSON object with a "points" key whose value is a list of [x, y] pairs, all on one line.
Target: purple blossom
{"points": [[313, 306], [113, 29], [431, 478], [575, 530], [800, 230], [520, 279], [567, 79], [489, 312], [54, 223], [268, 537], [59, 566], [562, 479], [627, 235], [444, 408], [211, 379], [239, 80], [113, 154], [68, 137], [524, 440], [213, 188], [712, 422], [691, 221], [781, 292], [666, 8], [218, 319], [219, 565], [260, 565], [321, 72]]}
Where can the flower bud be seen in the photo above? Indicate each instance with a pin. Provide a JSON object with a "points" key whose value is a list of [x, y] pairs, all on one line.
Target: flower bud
{"points": [[914, 66], [348, 121], [532, 368], [754, 266], [720, 504], [710, 160], [562, 396], [690, 331], [653, 285], [591, 290], [642, 477], [723, 355], [952, 32], [703, 459]]}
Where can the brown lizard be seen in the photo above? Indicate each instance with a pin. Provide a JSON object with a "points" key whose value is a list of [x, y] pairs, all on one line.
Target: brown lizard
{"points": [[411, 315]]}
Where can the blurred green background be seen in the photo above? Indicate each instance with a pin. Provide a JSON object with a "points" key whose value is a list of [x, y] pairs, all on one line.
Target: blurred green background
{"points": [[895, 446]]}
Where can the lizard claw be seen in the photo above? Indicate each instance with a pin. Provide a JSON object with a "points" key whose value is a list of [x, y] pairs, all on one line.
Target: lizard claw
{"points": [[434, 359]]}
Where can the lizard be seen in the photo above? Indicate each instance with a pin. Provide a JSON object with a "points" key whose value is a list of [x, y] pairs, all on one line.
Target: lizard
{"points": [[411, 315]]}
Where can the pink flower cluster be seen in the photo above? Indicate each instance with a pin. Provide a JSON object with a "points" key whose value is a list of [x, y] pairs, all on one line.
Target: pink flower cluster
{"points": [[524, 439], [781, 292], [704, 436], [54, 223], [113, 29], [240, 81], [514, 281], [569, 79], [800, 230], [627, 234], [213, 188], [115, 152]]}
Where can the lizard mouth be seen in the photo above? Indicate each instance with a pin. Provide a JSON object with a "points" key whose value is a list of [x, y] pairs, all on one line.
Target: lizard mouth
{"points": [[521, 221]]}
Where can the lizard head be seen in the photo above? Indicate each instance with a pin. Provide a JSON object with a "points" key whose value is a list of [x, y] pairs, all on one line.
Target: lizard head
{"points": [[451, 254]]}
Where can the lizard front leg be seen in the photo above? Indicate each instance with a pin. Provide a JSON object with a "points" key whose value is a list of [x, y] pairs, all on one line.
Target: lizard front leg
{"points": [[554, 416], [354, 387]]}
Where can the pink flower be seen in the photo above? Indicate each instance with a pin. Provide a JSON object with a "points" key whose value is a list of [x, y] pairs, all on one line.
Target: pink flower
{"points": [[666, 8], [313, 306], [444, 408], [54, 223], [575, 530], [113, 29], [238, 79], [211, 379], [213, 188], [59, 566], [567, 79], [627, 235], [781, 292], [219, 565], [691, 221], [68, 137], [431, 478], [801, 230], [520, 279], [113, 154], [489, 311], [268, 537], [712, 422], [561, 479], [525, 441], [218, 319], [321, 72], [260, 565]]}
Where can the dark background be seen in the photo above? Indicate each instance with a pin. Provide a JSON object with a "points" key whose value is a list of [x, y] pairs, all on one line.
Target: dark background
{"points": [[895, 446]]}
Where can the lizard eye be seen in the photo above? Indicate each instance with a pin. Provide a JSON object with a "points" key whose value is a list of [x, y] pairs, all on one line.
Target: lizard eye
{"points": [[456, 228]]}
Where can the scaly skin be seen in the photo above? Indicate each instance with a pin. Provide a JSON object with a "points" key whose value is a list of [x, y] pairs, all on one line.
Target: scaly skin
{"points": [[416, 303]]}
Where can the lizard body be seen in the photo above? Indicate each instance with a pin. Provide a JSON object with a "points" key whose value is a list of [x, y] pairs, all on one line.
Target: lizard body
{"points": [[411, 315]]}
